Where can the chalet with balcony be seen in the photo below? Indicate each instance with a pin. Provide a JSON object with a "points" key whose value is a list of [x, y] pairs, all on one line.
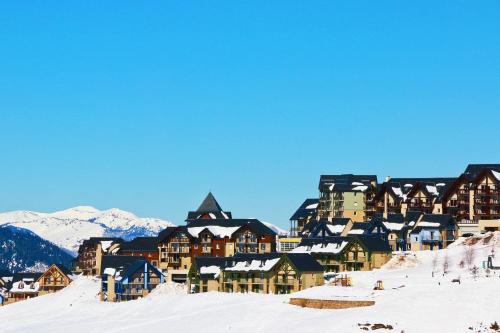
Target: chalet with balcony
{"points": [[146, 247], [126, 278], [174, 246], [354, 253], [432, 232], [55, 278], [91, 251], [400, 195], [209, 209], [304, 214], [474, 198], [206, 273], [349, 196], [267, 273]]}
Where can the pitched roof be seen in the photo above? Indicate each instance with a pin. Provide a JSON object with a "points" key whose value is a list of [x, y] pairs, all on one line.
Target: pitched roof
{"points": [[24, 275], [223, 227], [325, 228], [141, 244], [401, 188], [434, 221], [374, 243], [304, 262], [307, 209], [121, 263], [209, 207], [473, 170], [346, 183]]}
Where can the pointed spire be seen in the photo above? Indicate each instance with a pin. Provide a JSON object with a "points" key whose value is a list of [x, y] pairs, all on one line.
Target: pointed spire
{"points": [[209, 204]]}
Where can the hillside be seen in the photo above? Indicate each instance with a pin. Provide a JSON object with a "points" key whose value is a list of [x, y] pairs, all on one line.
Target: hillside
{"points": [[413, 301], [22, 250], [68, 228]]}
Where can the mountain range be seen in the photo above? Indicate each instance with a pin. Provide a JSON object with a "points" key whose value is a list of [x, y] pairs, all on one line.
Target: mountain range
{"points": [[68, 228], [22, 250]]}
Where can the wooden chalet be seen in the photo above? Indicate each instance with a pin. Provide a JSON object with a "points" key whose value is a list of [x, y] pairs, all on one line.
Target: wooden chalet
{"points": [[126, 278], [55, 278]]}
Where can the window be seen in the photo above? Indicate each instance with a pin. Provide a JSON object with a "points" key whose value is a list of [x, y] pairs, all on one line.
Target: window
{"points": [[263, 246], [196, 246], [217, 246]]}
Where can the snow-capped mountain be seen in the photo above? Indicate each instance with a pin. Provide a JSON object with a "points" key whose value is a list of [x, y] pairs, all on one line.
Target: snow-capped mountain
{"points": [[22, 250], [68, 228]]}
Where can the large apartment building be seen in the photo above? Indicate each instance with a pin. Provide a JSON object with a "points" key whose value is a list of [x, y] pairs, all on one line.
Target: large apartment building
{"points": [[350, 196]]}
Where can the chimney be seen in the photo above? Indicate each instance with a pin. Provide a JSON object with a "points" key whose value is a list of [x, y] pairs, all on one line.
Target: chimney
{"points": [[386, 199]]}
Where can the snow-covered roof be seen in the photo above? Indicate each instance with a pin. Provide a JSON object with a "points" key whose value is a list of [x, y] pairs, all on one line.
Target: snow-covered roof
{"points": [[335, 229], [312, 206], [333, 248], [496, 174], [25, 286], [432, 189], [216, 230], [361, 188], [210, 270], [254, 265], [356, 232], [106, 244], [428, 224], [393, 226]]}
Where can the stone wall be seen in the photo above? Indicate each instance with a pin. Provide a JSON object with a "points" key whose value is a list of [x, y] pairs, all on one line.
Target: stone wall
{"points": [[329, 304]]}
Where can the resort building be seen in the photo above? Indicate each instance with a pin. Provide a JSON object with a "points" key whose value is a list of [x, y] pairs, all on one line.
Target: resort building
{"points": [[126, 278], [270, 273], [91, 251], [354, 253], [305, 213], [349, 196]]}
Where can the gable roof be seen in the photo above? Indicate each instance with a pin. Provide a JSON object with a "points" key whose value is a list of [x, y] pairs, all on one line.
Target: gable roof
{"points": [[304, 262], [434, 221], [149, 244], [402, 188], [374, 243], [25, 275], [325, 228], [307, 209], [473, 170]]}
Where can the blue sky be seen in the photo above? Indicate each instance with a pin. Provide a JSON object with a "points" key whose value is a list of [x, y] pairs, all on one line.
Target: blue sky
{"points": [[146, 106]]}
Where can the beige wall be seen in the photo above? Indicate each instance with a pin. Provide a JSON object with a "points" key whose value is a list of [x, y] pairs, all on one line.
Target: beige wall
{"points": [[483, 224]]}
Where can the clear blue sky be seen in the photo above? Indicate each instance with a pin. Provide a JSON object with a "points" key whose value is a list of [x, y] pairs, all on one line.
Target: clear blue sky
{"points": [[146, 106]]}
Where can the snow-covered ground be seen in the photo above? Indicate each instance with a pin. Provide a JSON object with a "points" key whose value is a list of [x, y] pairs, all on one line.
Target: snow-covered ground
{"points": [[413, 301], [68, 228]]}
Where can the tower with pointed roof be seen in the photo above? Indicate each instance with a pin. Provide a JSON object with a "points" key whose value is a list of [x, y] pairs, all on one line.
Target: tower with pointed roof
{"points": [[209, 209]]}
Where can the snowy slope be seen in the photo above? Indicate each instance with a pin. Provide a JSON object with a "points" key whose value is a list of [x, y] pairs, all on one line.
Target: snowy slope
{"points": [[68, 228], [412, 302]]}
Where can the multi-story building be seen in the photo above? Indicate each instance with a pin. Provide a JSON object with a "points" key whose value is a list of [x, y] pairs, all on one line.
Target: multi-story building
{"points": [[353, 253], [269, 273], [350, 196], [91, 251], [474, 198], [126, 278], [401, 195]]}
